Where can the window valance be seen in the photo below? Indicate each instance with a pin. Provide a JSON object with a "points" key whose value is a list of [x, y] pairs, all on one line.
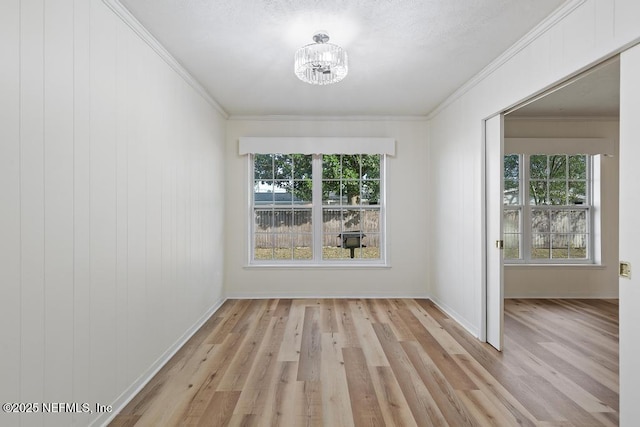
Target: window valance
{"points": [[316, 145], [591, 146]]}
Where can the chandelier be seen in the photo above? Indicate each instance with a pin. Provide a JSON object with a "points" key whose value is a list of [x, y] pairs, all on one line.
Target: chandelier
{"points": [[321, 63]]}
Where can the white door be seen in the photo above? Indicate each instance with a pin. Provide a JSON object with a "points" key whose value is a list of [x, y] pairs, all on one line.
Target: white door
{"points": [[630, 235], [494, 164]]}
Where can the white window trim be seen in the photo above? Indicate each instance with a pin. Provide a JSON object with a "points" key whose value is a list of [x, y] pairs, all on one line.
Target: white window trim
{"points": [[317, 210]]}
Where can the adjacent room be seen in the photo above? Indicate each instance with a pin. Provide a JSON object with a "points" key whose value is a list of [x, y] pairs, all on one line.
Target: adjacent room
{"points": [[319, 213]]}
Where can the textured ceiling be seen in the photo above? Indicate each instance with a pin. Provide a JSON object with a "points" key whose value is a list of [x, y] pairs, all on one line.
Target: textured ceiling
{"points": [[595, 94], [405, 56]]}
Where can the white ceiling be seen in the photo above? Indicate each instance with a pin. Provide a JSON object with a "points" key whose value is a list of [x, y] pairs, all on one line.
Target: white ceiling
{"points": [[596, 93], [405, 56]]}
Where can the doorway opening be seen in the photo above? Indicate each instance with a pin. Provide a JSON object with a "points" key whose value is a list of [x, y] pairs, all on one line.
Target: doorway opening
{"points": [[583, 108]]}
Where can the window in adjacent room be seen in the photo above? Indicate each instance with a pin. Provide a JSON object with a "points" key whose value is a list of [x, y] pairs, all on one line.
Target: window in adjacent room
{"points": [[547, 208]]}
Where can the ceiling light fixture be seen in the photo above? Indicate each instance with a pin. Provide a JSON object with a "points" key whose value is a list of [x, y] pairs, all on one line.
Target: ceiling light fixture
{"points": [[321, 63]]}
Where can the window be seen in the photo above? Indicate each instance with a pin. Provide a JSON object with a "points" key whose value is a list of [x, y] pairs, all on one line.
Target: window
{"points": [[282, 207], [547, 208], [317, 208]]}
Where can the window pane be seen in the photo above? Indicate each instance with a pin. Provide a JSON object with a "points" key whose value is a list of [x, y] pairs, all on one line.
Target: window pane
{"points": [[577, 192], [282, 166], [511, 246], [282, 192], [560, 221], [302, 253], [512, 167], [371, 252], [558, 192], [282, 246], [331, 166], [578, 167], [302, 246], [540, 246], [370, 166], [352, 243], [511, 192], [511, 221], [332, 224], [351, 166], [351, 192], [263, 220], [331, 191], [302, 192], [370, 192], [263, 166], [263, 193], [335, 252], [538, 166], [511, 230], [371, 245], [558, 167], [579, 221], [302, 221], [538, 192], [540, 221], [302, 166], [282, 220], [371, 221], [560, 246], [578, 246], [351, 220], [263, 246]]}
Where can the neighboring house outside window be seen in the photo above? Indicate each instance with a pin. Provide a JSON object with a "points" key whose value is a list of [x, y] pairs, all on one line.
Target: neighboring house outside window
{"points": [[548, 208]]}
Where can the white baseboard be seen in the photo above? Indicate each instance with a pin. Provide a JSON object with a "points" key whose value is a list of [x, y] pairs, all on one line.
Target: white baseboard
{"points": [[546, 295], [138, 384], [301, 295], [473, 330]]}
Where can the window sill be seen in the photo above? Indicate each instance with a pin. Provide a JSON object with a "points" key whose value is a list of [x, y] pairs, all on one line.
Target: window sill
{"points": [[345, 265], [552, 265]]}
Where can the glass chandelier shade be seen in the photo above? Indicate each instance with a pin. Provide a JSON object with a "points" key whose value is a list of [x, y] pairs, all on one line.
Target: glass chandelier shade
{"points": [[321, 63]]}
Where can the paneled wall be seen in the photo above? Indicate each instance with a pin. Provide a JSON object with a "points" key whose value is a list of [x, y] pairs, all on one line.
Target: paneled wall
{"points": [[111, 194], [582, 34]]}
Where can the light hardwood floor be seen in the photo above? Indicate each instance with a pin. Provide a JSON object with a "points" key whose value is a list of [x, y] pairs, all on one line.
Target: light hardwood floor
{"points": [[388, 362]]}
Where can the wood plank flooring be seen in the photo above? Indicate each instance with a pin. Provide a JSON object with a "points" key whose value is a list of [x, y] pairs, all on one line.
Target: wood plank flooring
{"points": [[387, 362]]}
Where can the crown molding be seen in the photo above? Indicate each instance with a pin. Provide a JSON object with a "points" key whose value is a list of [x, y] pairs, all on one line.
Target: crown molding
{"points": [[131, 21], [299, 118], [539, 30]]}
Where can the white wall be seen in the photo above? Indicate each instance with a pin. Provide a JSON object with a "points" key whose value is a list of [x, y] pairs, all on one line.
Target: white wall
{"points": [[527, 281], [629, 236], [590, 32], [407, 201], [111, 192]]}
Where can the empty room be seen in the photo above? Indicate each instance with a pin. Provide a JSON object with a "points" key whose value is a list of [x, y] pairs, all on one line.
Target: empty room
{"points": [[338, 213]]}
